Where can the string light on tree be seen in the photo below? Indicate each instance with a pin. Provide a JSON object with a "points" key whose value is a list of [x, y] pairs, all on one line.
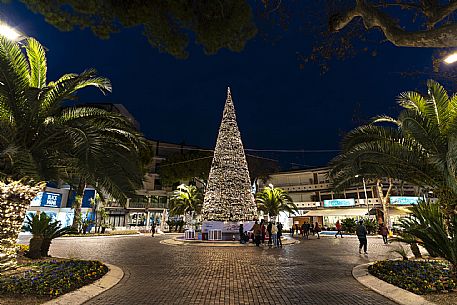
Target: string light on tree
{"points": [[15, 198], [228, 195]]}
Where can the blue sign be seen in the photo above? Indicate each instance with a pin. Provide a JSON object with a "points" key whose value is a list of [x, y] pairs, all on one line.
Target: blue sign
{"points": [[404, 200], [47, 199], [339, 203], [87, 198]]}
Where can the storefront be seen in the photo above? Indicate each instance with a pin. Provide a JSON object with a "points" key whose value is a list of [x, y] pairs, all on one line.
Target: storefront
{"points": [[57, 202], [328, 217]]}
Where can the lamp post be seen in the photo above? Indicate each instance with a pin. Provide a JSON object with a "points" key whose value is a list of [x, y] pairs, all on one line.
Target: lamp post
{"points": [[10, 33], [451, 58], [365, 191]]}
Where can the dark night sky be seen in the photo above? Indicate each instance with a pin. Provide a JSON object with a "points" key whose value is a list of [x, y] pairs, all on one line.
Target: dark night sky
{"points": [[278, 105]]}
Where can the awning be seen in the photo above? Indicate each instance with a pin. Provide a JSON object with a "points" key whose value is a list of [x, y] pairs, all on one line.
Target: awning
{"points": [[399, 211], [393, 211], [338, 212]]}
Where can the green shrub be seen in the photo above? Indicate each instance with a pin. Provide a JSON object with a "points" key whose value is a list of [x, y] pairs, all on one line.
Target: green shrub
{"points": [[53, 278], [349, 225], [420, 277], [371, 225], [434, 230]]}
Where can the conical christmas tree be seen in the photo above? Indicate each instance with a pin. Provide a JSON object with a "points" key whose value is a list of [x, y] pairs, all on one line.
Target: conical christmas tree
{"points": [[228, 196]]}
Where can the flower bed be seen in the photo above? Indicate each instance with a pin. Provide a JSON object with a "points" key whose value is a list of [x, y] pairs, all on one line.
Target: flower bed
{"points": [[417, 276], [51, 278]]}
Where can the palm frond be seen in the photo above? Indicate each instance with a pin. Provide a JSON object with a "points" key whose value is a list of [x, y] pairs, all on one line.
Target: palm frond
{"points": [[37, 61], [14, 76], [68, 85]]}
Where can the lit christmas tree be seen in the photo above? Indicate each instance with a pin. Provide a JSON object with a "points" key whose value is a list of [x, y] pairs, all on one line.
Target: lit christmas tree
{"points": [[228, 195]]}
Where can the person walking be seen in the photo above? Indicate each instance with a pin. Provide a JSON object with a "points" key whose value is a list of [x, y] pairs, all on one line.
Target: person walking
{"points": [[306, 229], [241, 231], [256, 231], [317, 229], [279, 226], [263, 231], [384, 232], [153, 229], [291, 231], [361, 232], [296, 229], [269, 233], [338, 229], [274, 235]]}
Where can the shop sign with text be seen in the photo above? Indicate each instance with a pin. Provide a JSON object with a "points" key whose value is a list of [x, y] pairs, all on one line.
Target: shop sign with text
{"points": [[339, 203], [47, 199], [404, 200]]}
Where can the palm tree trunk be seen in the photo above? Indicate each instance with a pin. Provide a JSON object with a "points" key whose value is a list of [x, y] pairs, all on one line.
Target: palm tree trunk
{"points": [[385, 200], [188, 220], [12, 216], [35, 246], [77, 205], [14, 200], [45, 247]]}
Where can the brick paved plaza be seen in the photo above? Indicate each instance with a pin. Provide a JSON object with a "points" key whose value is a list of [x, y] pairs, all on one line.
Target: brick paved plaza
{"points": [[312, 272]]}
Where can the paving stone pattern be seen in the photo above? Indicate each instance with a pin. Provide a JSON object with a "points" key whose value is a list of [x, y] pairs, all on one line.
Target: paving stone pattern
{"points": [[312, 272]]}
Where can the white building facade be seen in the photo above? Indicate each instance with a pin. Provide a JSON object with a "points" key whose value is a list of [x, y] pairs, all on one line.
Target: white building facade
{"points": [[312, 192]]}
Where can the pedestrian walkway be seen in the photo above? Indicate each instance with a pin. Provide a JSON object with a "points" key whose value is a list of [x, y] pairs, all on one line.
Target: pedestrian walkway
{"points": [[310, 272]]}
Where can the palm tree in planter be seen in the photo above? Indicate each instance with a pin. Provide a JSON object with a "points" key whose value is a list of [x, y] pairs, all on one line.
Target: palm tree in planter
{"points": [[186, 200], [43, 139], [37, 225], [53, 230], [272, 200], [434, 230]]}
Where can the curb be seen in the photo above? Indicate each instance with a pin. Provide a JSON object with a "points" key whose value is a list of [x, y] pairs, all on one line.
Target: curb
{"points": [[83, 294], [199, 243], [394, 293], [102, 236]]}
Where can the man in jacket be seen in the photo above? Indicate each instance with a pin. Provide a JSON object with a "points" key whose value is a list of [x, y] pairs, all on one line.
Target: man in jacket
{"points": [[362, 235], [256, 231]]}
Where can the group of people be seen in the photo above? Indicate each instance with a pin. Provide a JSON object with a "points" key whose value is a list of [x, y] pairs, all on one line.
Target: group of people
{"points": [[305, 229], [260, 232], [361, 232]]}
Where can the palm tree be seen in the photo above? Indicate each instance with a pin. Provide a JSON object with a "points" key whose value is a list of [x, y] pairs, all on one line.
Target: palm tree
{"points": [[54, 230], [43, 139], [186, 200], [37, 225], [272, 200], [420, 146]]}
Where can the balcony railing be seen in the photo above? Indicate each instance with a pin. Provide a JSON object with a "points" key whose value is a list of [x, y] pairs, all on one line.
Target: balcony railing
{"points": [[152, 205]]}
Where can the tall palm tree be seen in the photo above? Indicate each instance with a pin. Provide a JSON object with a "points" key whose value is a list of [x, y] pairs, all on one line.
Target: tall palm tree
{"points": [[420, 146], [43, 139], [186, 200], [272, 200]]}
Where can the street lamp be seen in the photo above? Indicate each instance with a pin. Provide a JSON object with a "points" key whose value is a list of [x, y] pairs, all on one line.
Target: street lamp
{"points": [[10, 33], [365, 191], [450, 59]]}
